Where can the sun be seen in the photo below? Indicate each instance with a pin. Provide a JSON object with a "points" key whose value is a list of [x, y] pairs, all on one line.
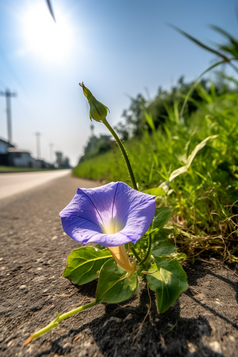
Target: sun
{"points": [[46, 39]]}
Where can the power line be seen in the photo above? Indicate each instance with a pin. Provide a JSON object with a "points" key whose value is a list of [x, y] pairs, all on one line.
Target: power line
{"points": [[8, 96]]}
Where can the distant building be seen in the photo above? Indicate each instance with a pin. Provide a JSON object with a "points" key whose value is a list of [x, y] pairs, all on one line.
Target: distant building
{"points": [[12, 156], [41, 164], [4, 145], [20, 158]]}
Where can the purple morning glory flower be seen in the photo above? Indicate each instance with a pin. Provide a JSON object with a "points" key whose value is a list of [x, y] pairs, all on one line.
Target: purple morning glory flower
{"points": [[110, 215]]}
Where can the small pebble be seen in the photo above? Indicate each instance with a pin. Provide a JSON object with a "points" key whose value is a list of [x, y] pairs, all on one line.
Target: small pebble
{"points": [[22, 287], [215, 347], [67, 345], [129, 317], [191, 347], [112, 319]]}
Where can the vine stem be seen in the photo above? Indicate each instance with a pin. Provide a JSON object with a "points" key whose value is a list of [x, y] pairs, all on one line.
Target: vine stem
{"points": [[123, 151], [135, 254], [129, 168], [148, 251], [56, 321]]}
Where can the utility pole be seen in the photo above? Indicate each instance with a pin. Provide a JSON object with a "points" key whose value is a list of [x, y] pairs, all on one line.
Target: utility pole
{"points": [[51, 153], [38, 145], [8, 96]]}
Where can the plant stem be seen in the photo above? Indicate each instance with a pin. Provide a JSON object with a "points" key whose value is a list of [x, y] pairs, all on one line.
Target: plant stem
{"points": [[123, 151], [56, 321], [135, 254], [148, 251]]}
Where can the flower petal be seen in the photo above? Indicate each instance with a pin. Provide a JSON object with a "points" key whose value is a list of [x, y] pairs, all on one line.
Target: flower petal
{"points": [[135, 209], [91, 210]]}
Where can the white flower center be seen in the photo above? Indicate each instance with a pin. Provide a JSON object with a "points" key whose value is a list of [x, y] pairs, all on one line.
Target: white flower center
{"points": [[114, 226]]}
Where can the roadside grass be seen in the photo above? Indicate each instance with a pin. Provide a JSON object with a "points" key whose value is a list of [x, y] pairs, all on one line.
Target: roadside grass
{"points": [[204, 199], [21, 169]]}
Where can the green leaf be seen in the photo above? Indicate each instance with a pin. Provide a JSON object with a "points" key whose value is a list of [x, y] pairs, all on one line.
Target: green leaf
{"points": [[233, 258], [162, 216], [185, 168], [161, 234], [150, 231], [163, 249], [168, 281], [83, 264], [180, 256], [141, 244], [150, 120], [199, 43], [165, 186], [114, 285], [99, 247], [157, 191], [196, 82]]}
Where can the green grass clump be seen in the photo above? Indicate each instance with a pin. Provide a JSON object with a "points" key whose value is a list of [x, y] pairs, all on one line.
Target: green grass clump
{"points": [[204, 198]]}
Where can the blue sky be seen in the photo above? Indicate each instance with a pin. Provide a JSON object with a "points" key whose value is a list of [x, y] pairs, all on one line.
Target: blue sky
{"points": [[119, 48]]}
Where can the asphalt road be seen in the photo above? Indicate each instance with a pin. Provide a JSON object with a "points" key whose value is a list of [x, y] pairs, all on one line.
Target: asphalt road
{"points": [[33, 255], [15, 183]]}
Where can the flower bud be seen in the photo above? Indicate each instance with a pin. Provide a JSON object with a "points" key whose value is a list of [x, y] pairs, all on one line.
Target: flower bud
{"points": [[98, 111]]}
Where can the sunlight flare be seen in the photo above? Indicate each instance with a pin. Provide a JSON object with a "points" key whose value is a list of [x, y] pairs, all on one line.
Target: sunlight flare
{"points": [[49, 40]]}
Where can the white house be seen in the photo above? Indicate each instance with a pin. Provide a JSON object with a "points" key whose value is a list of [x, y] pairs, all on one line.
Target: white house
{"points": [[20, 158], [12, 156], [4, 145]]}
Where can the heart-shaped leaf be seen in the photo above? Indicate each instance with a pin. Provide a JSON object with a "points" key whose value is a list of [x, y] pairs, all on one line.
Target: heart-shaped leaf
{"points": [[84, 264], [168, 280], [162, 217], [163, 249], [114, 285]]}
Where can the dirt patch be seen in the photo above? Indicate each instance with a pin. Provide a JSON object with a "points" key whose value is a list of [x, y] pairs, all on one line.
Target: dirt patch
{"points": [[34, 248]]}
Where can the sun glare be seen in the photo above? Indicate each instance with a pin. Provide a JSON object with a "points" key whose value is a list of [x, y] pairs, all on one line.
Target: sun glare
{"points": [[48, 40]]}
